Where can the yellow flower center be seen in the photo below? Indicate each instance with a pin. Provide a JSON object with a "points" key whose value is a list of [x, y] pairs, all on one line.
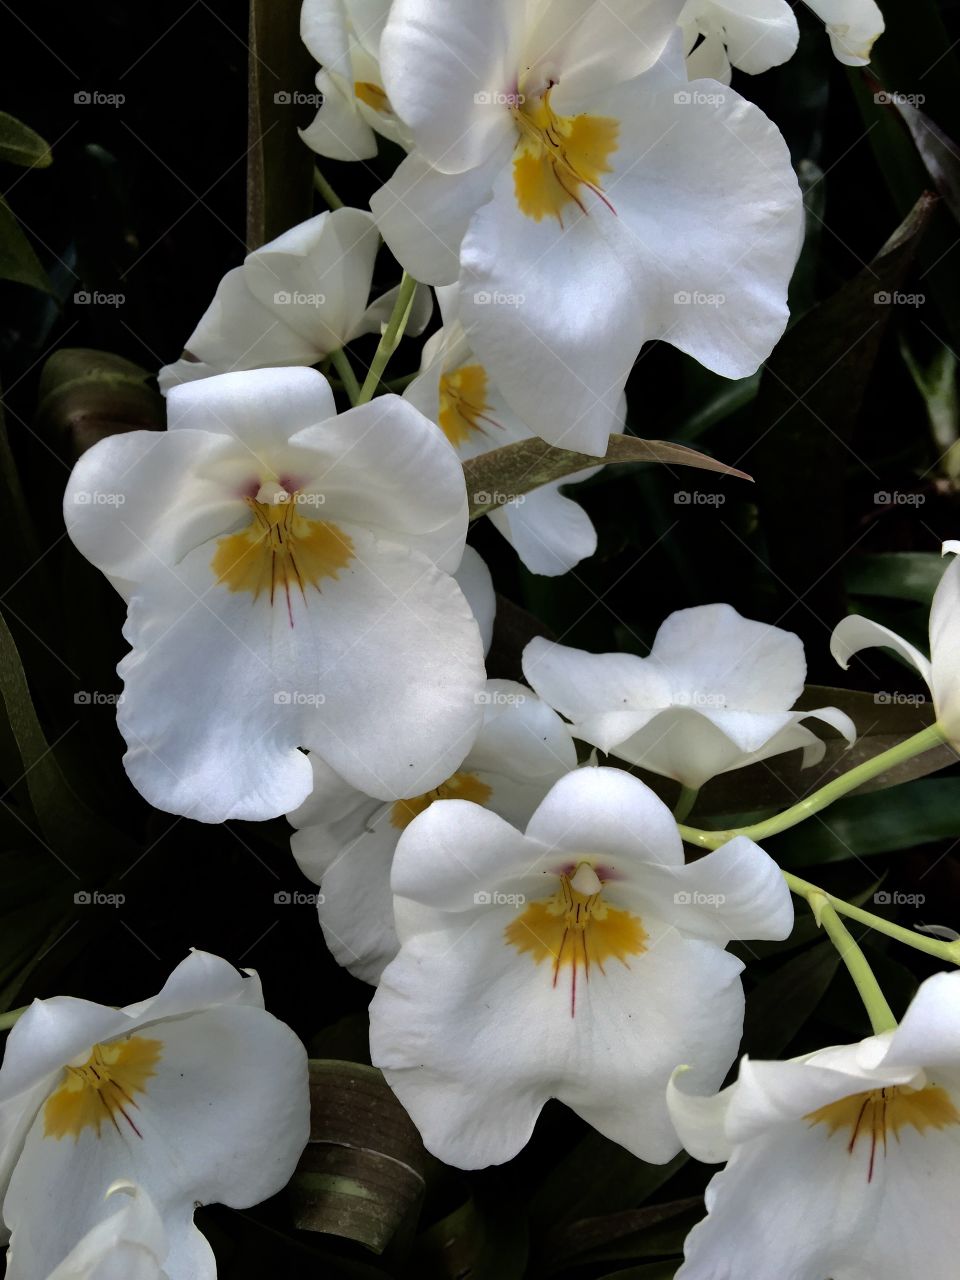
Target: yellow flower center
{"points": [[373, 96], [459, 786], [103, 1088], [557, 155], [463, 403], [280, 548], [576, 928], [880, 1112]]}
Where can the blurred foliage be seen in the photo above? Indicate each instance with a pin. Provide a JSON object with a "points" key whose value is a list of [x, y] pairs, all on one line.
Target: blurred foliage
{"points": [[160, 178]]}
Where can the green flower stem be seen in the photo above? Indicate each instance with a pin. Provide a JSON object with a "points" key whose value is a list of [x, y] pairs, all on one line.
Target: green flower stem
{"points": [[933, 736], [8, 1019], [949, 951], [390, 339], [874, 1001], [341, 362], [324, 189], [685, 802]]}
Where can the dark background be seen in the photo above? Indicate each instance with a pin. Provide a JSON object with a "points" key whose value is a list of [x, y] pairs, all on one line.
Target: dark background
{"points": [[147, 199]]}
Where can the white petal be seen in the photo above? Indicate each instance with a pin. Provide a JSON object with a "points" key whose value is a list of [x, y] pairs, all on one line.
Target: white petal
{"points": [[377, 315], [474, 580], [549, 531], [710, 221], [944, 645], [855, 633], [129, 1245], [474, 1037], [257, 407], [580, 684], [444, 67], [700, 1120], [709, 60], [385, 466], [612, 815], [758, 34], [737, 892], [852, 25], [221, 690], [324, 30], [521, 736], [423, 214], [929, 1034], [338, 130], [715, 658]]}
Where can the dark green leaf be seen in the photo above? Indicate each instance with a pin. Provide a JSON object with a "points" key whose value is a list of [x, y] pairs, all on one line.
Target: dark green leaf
{"points": [[20, 145], [782, 1003], [480, 1240], [634, 1233], [18, 262], [86, 395], [898, 575], [597, 1176]]}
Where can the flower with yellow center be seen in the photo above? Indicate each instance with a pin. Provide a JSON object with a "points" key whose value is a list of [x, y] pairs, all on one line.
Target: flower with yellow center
{"points": [[196, 1095], [289, 578], [578, 959], [585, 197], [345, 840], [549, 531], [842, 1164]]}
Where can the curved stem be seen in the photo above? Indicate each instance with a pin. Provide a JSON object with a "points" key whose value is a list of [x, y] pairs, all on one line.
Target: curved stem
{"points": [[341, 362], [933, 736], [685, 802], [324, 189], [874, 1001], [949, 951], [390, 339]]}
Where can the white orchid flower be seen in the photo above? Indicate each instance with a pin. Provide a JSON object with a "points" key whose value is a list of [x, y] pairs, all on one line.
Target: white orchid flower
{"points": [[198, 1095], [755, 35], [475, 581], [587, 198], [130, 1244], [549, 531], [941, 671], [346, 840], [294, 301], [287, 573], [580, 960], [842, 1165], [344, 37], [714, 694]]}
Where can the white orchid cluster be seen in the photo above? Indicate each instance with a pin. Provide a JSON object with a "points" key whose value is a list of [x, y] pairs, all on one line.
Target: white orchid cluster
{"points": [[307, 631]]}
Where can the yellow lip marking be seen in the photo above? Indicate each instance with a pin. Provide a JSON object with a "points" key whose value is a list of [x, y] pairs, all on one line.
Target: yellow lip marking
{"points": [[280, 548], [459, 786], [557, 155], [102, 1088], [463, 403], [373, 96], [880, 1112], [575, 928]]}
